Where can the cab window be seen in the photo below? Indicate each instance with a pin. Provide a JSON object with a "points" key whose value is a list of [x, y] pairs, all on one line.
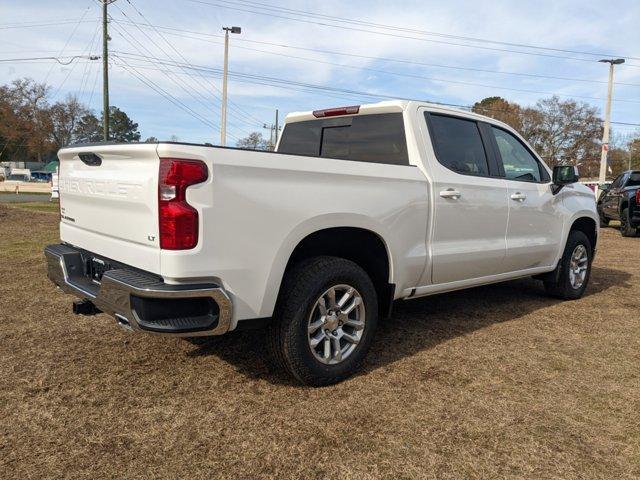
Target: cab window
{"points": [[519, 164], [458, 144]]}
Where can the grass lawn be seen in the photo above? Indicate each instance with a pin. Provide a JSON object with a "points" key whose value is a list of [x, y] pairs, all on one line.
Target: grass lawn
{"points": [[495, 382]]}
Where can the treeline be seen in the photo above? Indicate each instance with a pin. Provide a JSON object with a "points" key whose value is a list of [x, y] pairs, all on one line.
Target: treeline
{"points": [[34, 129], [562, 131], [565, 132]]}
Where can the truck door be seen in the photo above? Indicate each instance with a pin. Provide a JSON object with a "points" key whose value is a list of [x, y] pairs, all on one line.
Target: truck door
{"points": [[534, 231], [467, 239], [611, 201]]}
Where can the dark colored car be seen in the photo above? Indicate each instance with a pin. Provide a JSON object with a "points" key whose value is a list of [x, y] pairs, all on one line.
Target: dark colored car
{"points": [[621, 201]]}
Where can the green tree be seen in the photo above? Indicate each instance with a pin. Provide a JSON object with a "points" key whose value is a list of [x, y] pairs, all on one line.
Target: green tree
{"points": [[88, 129], [500, 109], [121, 127]]}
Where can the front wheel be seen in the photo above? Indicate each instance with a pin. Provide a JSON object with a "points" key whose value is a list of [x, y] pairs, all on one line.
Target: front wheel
{"points": [[325, 320], [625, 225], [575, 268]]}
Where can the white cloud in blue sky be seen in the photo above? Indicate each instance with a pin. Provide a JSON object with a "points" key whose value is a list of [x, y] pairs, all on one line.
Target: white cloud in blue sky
{"points": [[571, 25]]}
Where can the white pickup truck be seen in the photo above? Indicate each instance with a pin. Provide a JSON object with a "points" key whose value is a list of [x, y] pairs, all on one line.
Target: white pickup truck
{"points": [[358, 207]]}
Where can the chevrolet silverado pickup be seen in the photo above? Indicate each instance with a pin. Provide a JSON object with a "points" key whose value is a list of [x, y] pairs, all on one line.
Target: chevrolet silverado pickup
{"points": [[357, 207], [621, 201]]}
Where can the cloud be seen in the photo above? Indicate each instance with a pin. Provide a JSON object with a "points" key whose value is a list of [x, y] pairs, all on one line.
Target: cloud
{"points": [[570, 25]]}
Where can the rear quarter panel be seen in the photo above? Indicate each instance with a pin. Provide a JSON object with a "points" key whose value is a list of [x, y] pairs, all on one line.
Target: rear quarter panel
{"points": [[257, 206]]}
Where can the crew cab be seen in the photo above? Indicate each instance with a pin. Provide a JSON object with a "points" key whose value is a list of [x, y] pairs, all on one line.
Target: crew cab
{"points": [[358, 207], [621, 201]]}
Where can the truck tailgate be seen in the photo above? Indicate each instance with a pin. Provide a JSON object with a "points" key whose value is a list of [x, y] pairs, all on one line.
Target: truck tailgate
{"points": [[109, 202]]}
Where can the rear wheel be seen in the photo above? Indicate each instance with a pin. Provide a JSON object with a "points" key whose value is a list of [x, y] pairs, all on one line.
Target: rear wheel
{"points": [[575, 268], [325, 320], [625, 225]]}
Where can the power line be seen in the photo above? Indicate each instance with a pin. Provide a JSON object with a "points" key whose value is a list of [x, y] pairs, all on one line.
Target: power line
{"points": [[66, 44], [369, 57], [154, 86], [185, 86], [288, 84], [149, 24], [292, 11], [44, 24], [248, 119], [57, 59], [434, 80], [387, 34]]}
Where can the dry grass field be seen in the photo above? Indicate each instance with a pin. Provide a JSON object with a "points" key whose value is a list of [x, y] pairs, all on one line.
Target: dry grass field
{"points": [[495, 382]]}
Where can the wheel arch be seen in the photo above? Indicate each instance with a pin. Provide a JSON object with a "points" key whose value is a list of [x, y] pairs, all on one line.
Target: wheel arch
{"points": [[358, 240], [588, 226]]}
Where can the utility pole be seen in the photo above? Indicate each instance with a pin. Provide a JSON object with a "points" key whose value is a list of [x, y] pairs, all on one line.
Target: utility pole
{"points": [[607, 119], [273, 132], [223, 120], [105, 70]]}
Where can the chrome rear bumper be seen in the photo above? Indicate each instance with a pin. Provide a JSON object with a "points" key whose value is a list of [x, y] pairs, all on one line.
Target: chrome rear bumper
{"points": [[129, 295]]}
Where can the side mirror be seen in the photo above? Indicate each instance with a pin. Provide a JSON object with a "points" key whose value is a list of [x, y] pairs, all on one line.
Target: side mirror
{"points": [[564, 175], [604, 187]]}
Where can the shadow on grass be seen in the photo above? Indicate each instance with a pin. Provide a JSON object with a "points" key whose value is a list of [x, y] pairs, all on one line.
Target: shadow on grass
{"points": [[416, 325]]}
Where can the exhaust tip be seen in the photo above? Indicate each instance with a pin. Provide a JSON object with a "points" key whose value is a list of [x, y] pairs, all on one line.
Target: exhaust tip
{"points": [[84, 307]]}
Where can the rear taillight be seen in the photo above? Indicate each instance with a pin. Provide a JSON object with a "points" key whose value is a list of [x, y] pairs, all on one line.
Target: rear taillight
{"points": [[178, 219], [638, 197]]}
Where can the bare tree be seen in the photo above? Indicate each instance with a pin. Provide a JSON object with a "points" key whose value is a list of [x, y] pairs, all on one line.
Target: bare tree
{"points": [[254, 141]]}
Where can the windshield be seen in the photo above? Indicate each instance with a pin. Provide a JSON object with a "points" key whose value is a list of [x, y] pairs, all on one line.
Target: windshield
{"points": [[634, 180]]}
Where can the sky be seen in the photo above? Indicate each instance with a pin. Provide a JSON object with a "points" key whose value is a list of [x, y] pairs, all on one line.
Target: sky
{"points": [[166, 56]]}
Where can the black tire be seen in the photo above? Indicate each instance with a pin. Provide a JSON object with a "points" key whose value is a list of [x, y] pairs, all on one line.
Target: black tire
{"points": [[563, 288], [625, 225], [288, 333]]}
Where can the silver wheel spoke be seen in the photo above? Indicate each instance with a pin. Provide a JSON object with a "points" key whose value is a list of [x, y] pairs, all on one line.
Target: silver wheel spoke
{"points": [[356, 324], [327, 348], [354, 304], [340, 307], [317, 339], [322, 306], [346, 297], [331, 295], [578, 266], [316, 325], [337, 354], [350, 338]]}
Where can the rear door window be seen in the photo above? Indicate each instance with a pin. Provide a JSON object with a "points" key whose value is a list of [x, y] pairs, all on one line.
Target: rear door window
{"points": [[378, 138], [458, 144]]}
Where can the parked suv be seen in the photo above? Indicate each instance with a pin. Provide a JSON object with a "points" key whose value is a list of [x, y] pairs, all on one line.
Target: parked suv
{"points": [[358, 207], [621, 201]]}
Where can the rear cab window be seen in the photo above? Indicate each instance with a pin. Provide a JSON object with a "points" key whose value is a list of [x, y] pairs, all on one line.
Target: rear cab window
{"points": [[458, 144], [375, 138]]}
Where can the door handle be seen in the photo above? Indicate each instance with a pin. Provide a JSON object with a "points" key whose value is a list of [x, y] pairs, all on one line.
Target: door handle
{"points": [[518, 197], [450, 193]]}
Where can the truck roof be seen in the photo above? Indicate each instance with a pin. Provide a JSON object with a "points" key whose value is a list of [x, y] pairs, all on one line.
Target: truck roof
{"points": [[387, 106]]}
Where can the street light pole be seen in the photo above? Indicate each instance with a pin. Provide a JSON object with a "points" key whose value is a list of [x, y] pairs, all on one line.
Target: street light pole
{"points": [[223, 120], [105, 70], [607, 120]]}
